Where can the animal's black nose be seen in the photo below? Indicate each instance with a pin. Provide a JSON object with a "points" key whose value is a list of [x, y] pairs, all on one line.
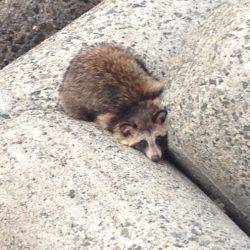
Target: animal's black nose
{"points": [[155, 158]]}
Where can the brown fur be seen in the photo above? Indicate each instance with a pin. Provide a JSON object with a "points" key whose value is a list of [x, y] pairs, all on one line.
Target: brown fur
{"points": [[108, 85]]}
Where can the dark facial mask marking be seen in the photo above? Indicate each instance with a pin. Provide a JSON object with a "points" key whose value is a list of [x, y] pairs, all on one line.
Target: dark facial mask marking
{"points": [[161, 141], [141, 146]]}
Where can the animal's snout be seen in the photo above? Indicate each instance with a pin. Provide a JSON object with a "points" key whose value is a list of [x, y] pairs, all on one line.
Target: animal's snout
{"points": [[155, 158]]}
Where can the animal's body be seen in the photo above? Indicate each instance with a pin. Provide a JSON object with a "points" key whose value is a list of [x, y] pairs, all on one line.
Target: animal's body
{"points": [[110, 86]]}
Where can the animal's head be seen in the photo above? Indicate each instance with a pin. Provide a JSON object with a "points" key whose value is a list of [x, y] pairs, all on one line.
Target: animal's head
{"points": [[143, 127]]}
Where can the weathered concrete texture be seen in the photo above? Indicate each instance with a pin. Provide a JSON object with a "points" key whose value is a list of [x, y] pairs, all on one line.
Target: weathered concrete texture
{"points": [[208, 95], [26, 23], [65, 184]]}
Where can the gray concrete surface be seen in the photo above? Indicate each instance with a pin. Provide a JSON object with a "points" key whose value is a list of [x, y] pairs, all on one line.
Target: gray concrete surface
{"points": [[65, 184], [26, 23], [208, 95]]}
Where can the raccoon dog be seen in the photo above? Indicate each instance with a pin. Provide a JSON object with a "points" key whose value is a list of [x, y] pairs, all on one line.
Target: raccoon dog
{"points": [[110, 86]]}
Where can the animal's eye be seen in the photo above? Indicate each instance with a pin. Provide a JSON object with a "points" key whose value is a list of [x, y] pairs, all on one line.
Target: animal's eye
{"points": [[161, 140], [141, 146]]}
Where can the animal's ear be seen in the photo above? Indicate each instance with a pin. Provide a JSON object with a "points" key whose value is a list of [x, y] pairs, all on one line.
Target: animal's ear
{"points": [[127, 128], [160, 116]]}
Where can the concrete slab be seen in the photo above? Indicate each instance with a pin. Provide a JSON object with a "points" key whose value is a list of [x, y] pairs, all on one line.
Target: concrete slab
{"points": [[208, 95]]}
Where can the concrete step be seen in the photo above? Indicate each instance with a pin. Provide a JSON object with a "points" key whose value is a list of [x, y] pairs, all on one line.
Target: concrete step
{"points": [[65, 184]]}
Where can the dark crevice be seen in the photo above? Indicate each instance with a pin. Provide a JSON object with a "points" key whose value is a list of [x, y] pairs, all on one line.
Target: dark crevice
{"points": [[209, 188]]}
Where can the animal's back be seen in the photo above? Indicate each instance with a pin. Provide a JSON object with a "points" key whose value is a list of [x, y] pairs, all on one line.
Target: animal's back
{"points": [[102, 80]]}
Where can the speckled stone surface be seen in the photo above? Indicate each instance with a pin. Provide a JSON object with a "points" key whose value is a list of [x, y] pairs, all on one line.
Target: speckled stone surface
{"points": [[208, 95], [65, 184], [26, 23]]}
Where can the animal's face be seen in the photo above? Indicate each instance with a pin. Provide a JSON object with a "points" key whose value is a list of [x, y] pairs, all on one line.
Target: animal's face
{"points": [[152, 143], [145, 130]]}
